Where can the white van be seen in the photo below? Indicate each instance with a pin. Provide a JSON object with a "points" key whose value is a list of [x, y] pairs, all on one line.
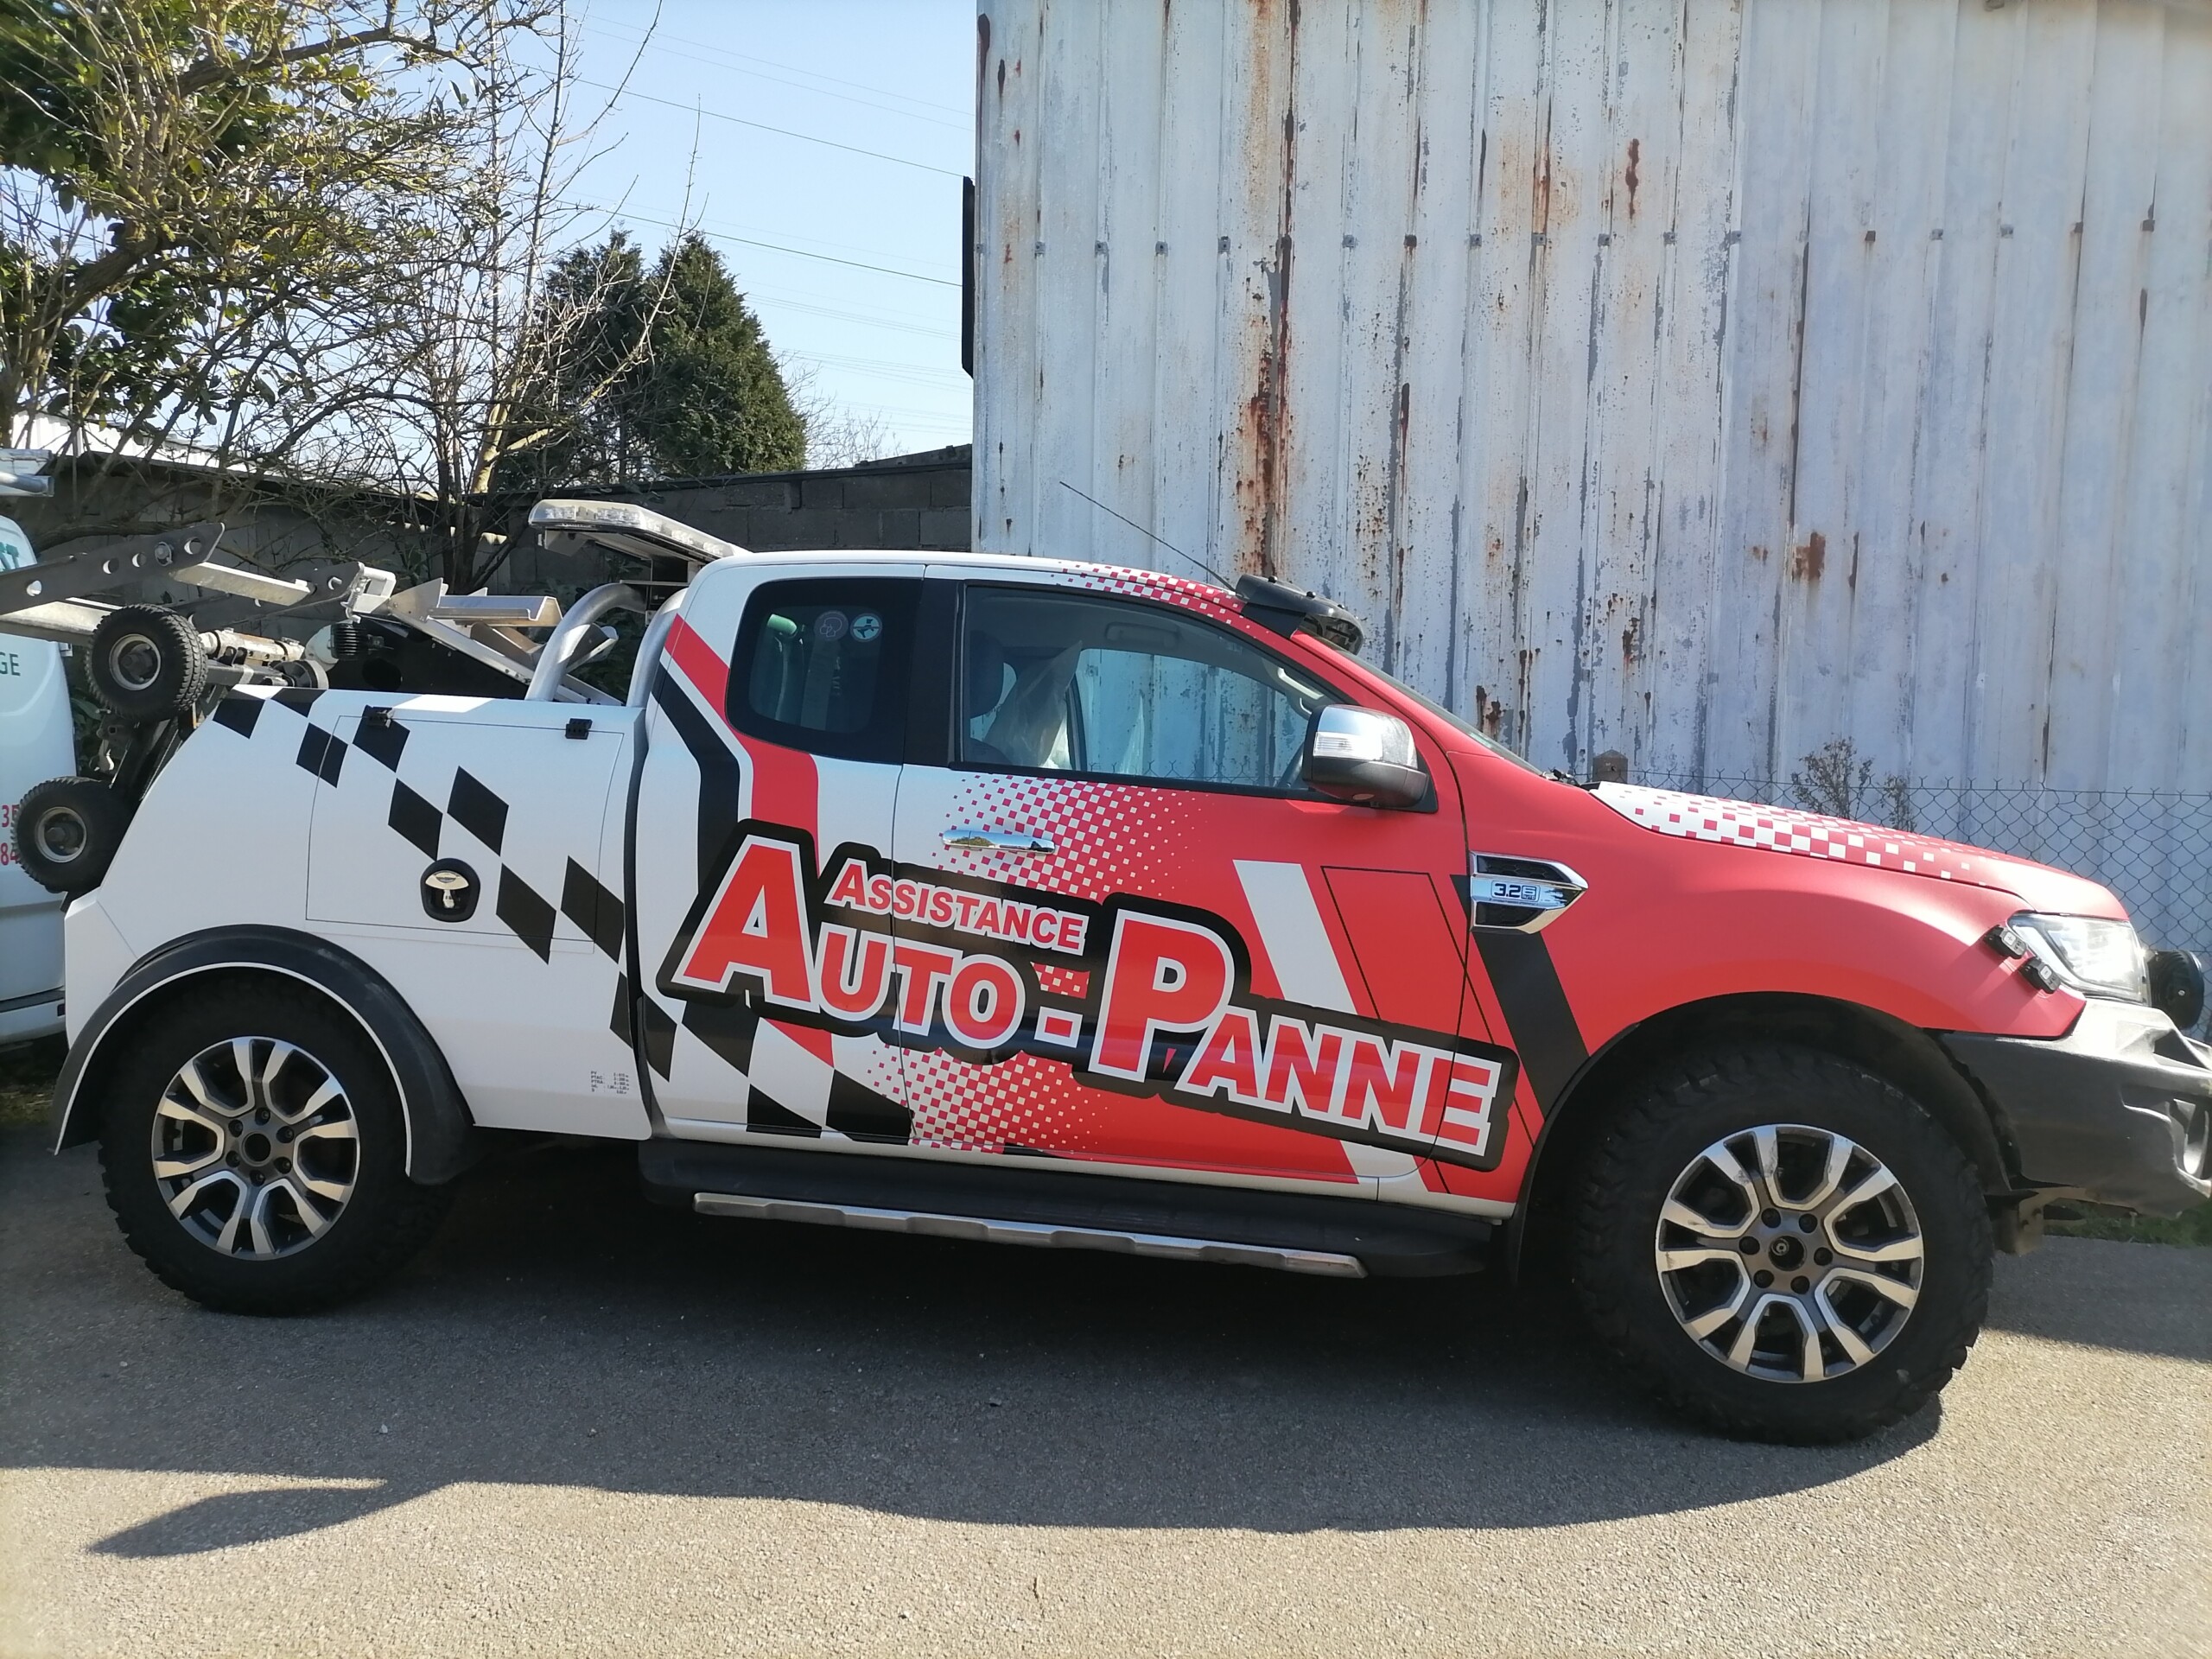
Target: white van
{"points": [[34, 745]]}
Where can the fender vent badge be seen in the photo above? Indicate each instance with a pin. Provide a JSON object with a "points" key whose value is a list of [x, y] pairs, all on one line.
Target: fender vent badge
{"points": [[1523, 894]]}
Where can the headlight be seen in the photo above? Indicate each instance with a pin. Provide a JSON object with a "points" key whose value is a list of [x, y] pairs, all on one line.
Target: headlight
{"points": [[2100, 958]]}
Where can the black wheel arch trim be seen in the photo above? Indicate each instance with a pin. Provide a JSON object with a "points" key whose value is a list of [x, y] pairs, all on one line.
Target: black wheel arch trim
{"points": [[442, 1140], [1912, 1058]]}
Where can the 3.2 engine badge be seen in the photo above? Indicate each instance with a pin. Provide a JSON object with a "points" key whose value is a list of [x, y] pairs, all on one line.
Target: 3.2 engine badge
{"points": [[1524, 894]]}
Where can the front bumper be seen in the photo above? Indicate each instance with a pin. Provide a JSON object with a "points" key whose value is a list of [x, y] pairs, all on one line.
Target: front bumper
{"points": [[2118, 1111]]}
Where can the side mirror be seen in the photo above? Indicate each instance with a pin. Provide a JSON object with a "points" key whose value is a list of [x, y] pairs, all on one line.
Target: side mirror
{"points": [[1364, 756]]}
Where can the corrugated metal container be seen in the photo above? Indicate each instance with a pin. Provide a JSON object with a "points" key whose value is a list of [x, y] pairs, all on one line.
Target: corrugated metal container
{"points": [[1697, 380], [1704, 382]]}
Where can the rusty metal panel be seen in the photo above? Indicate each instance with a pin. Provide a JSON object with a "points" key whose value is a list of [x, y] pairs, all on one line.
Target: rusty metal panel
{"points": [[1702, 381]]}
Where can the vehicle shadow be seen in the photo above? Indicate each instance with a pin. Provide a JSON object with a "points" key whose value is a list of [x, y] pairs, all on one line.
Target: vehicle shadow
{"points": [[562, 1331]]}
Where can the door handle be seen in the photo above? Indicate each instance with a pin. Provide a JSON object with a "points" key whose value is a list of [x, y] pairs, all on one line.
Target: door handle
{"points": [[975, 838]]}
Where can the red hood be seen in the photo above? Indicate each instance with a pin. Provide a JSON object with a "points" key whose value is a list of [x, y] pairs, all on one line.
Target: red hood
{"points": [[1810, 835]]}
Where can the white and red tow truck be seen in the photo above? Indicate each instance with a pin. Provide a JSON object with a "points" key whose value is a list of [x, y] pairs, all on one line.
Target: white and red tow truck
{"points": [[1054, 904]]}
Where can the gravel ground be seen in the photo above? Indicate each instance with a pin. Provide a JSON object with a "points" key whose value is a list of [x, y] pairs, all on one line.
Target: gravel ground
{"points": [[581, 1426]]}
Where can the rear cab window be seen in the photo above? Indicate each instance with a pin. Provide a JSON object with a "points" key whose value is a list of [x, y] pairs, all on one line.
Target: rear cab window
{"points": [[824, 664]]}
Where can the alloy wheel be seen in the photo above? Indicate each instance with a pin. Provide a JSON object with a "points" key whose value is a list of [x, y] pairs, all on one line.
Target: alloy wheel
{"points": [[256, 1149], [1789, 1253]]}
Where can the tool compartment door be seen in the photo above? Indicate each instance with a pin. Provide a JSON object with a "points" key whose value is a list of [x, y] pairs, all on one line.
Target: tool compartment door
{"points": [[518, 979]]}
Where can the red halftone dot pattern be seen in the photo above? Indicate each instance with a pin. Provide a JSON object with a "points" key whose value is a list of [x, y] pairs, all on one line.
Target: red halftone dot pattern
{"points": [[1106, 838], [980, 1107], [1062, 981], [1781, 830]]}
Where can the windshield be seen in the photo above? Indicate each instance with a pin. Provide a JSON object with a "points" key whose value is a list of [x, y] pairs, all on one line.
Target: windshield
{"points": [[1452, 720]]}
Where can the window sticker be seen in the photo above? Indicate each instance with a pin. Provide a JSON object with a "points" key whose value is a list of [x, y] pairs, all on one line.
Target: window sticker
{"points": [[867, 627], [831, 625]]}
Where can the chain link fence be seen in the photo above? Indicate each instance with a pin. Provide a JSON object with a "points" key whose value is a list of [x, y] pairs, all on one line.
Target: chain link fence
{"points": [[2153, 848]]}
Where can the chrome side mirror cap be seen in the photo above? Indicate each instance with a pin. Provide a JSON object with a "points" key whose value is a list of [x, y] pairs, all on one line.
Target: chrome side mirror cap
{"points": [[1364, 756]]}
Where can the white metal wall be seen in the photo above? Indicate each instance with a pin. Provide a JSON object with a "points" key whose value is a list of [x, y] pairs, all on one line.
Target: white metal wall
{"points": [[1701, 380]]}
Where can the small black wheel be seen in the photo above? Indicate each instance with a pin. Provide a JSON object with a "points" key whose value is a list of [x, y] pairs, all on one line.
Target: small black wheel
{"points": [[66, 833], [254, 1151], [1784, 1245], [147, 663]]}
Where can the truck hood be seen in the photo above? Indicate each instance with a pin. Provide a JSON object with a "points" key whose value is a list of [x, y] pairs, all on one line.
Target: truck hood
{"points": [[1811, 835]]}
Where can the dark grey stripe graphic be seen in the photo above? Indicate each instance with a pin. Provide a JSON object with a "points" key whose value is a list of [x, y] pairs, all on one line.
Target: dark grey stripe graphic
{"points": [[1541, 1026]]}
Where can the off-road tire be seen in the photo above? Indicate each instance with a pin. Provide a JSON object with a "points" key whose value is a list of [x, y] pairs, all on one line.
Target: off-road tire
{"points": [[1659, 1130], [68, 830], [385, 1221], [146, 662]]}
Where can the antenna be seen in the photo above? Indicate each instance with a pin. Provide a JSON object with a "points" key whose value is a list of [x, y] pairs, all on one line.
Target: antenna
{"points": [[1148, 536]]}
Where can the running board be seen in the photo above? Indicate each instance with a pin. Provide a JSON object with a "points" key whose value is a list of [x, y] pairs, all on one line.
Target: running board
{"points": [[980, 1230]]}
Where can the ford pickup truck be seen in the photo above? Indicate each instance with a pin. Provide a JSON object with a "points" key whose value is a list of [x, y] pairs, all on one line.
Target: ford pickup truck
{"points": [[1052, 904]]}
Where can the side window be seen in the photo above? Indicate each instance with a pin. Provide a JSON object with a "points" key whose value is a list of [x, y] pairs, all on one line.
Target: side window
{"points": [[1110, 688], [821, 665]]}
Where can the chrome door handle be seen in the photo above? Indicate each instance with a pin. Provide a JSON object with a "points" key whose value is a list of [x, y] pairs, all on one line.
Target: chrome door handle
{"points": [[975, 838]]}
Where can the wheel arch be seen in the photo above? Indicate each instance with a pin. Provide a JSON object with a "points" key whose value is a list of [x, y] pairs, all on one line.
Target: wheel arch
{"points": [[441, 1137], [1899, 1053]]}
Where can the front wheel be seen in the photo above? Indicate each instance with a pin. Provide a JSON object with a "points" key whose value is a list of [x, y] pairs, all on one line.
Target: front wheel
{"points": [[1785, 1246], [255, 1152]]}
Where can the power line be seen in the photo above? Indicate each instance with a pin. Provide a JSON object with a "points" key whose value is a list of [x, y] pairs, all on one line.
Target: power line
{"points": [[621, 92], [773, 247], [761, 296], [654, 42]]}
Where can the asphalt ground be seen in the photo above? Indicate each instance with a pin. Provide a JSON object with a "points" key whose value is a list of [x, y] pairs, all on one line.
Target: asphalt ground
{"points": [[581, 1425]]}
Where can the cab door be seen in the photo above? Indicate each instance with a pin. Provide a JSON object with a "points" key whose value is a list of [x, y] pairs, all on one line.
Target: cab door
{"points": [[774, 736], [1206, 966]]}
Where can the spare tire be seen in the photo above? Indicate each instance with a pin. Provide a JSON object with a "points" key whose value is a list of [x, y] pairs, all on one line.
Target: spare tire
{"points": [[147, 663], [68, 830]]}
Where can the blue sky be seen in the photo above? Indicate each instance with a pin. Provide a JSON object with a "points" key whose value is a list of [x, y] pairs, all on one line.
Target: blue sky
{"points": [[893, 77]]}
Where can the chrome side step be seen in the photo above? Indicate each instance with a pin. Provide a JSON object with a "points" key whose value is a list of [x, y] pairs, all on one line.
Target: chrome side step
{"points": [[980, 1230]]}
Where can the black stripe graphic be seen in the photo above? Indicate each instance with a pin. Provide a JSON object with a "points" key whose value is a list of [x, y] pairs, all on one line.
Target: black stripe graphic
{"points": [[720, 775], [321, 753], [1540, 1023], [239, 713], [763, 1112], [857, 1110], [727, 1028], [593, 908], [521, 908], [381, 738], [477, 810], [416, 819]]}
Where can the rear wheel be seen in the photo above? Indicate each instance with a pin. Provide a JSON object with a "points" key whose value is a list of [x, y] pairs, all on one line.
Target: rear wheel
{"points": [[255, 1152], [1785, 1246]]}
